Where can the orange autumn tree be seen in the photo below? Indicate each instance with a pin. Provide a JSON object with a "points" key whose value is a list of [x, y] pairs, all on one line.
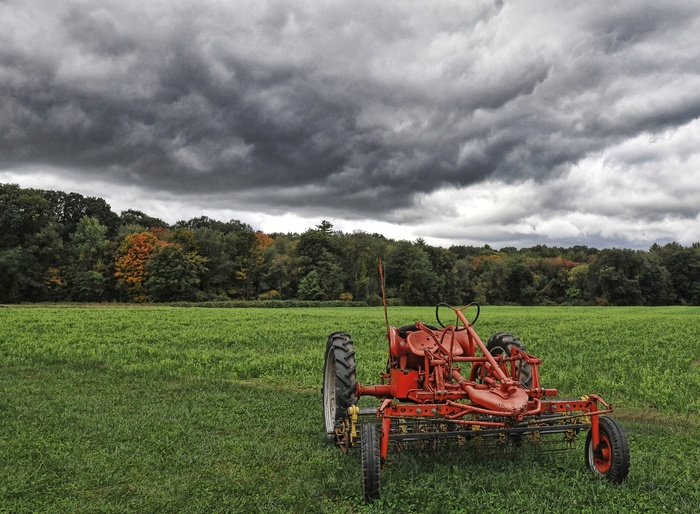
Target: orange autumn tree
{"points": [[131, 258], [256, 263]]}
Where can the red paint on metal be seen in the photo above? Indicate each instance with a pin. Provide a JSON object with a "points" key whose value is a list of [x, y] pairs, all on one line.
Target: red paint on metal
{"points": [[384, 442], [425, 379]]}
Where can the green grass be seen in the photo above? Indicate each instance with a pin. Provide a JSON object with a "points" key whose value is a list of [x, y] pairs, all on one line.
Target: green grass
{"points": [[218, 410]]}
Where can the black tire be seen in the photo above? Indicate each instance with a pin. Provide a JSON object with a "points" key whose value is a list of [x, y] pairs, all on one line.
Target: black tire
{"points": [[339, 380], [612, 460], [371, 461], [500, 344]]}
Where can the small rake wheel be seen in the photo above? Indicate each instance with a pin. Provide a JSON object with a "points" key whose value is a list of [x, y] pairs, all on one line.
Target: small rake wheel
{"points": [[339, 380], [371, 461], [612, 458]]}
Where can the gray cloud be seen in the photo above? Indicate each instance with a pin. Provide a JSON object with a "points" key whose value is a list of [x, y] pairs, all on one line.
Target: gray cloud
{"points": [[354, 108]]}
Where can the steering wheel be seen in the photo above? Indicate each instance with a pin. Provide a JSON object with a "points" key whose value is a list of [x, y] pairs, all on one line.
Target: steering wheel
{"points": [[454, 309]]}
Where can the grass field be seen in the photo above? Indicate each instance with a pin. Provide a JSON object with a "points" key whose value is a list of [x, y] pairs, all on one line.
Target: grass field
{"points": [[126, 409]]}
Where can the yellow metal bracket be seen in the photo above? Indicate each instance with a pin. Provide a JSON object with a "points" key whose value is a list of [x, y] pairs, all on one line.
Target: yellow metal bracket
{"points": [[354, 412]]}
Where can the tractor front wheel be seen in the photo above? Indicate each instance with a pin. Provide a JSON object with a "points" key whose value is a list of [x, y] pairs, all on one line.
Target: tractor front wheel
{"points": [[611, 459], [339, 380], [371, 461]]}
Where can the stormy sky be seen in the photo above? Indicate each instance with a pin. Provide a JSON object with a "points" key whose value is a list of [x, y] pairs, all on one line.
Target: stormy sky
{"points": [[480, 122]]}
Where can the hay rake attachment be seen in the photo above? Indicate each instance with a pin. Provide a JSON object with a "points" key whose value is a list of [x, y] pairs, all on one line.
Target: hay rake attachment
{"points": [[444, 384]]}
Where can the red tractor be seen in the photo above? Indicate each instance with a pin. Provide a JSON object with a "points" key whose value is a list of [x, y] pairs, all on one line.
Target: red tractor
{"points": [[445, 383]]}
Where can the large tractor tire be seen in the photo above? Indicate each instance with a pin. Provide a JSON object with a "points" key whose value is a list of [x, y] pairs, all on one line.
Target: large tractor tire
{"points": [[500, 344], [339, 380], [612, 458]]}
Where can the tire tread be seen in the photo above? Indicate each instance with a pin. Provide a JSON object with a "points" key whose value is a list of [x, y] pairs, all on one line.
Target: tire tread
{"points": [[371, 461]]}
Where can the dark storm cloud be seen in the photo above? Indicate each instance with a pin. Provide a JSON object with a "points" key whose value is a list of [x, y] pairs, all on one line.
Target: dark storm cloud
{"points": [[296, 105]]}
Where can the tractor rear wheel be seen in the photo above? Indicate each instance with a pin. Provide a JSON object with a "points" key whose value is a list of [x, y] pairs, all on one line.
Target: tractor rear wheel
{"points": [[371, 461], [500, 344], [612, 458], [339, 380]]}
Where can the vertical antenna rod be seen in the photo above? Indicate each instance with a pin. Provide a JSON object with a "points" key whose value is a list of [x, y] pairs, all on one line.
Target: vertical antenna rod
{"points": [[381, 280]]}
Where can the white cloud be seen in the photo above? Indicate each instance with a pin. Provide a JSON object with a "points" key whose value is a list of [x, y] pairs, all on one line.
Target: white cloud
{"points": [[510, 124]]}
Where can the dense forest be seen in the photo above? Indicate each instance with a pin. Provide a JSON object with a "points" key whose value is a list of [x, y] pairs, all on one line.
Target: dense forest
{"points": [[57, 246]]}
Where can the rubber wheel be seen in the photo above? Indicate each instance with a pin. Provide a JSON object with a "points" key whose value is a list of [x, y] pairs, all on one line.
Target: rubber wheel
{"points": [[371, 461], [612, 460], [500, 344], [339, 380]]}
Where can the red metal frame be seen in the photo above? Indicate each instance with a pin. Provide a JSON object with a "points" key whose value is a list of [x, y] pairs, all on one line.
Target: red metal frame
{"points": [[425, 381]]}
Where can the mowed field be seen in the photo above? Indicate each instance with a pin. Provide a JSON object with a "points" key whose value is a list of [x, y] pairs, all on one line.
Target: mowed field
{"points": [[165, 409]]}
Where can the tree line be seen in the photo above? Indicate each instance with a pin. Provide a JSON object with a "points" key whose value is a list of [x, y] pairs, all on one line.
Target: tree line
{"points": [[57, 246]]}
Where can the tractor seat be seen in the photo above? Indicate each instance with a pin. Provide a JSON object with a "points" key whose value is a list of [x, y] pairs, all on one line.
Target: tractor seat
{"points": [[404, 330], [418, 341]]}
